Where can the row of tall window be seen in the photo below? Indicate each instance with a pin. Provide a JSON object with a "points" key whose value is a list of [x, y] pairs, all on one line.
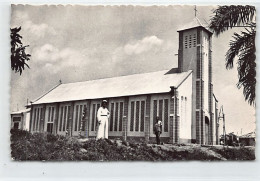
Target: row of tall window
{"points": [[116, 109], [137, 113], [64, 113], [37, 117]]}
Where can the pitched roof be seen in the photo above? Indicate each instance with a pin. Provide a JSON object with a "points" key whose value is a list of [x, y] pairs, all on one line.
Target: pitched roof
{"points": [[194, 24], [137, 84], [46, 93], [21, 111], [249, 135]]}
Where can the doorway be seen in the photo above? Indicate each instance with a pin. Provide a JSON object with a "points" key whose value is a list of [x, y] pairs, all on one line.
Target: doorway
{"points": [[50, 128], [16, 125], [206, 130]]}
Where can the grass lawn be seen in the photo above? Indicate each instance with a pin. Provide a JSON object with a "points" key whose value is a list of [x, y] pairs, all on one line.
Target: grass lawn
{"points": [[38, 146]]}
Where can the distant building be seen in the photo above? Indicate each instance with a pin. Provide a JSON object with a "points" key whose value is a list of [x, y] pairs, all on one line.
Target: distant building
{"points": [[248, 139], [182, 97], [231, 139], [21, 119]]}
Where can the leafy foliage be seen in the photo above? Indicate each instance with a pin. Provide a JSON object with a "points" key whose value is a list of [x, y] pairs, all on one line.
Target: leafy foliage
{"points": [[18, 54], [40, 146], [239, 153], [230, 16], [242, 45]]}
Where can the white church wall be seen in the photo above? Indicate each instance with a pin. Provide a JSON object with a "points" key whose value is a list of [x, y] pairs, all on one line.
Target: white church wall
{"points": [[189, 49], [185, 109], [189, 63], [205, 74], [215, 119], [214, 122], [27, 121]]}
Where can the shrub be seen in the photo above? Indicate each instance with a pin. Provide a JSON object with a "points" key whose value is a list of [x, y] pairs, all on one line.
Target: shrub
{"points": [[39, 146], [236, 153]]}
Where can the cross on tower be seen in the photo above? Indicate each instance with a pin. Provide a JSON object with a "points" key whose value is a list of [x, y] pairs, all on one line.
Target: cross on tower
{"points": [[195, 10]]}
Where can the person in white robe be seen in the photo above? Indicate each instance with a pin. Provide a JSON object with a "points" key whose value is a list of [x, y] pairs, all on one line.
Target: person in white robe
{"points": [[103, 116]]}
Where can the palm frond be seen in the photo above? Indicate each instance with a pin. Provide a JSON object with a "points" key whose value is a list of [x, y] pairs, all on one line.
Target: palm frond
{"points": [[229, 16], [239, 44], [243, 46]]}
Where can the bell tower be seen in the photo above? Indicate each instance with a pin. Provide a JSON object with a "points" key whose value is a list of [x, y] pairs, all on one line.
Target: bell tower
{"points": [[195, 54]]}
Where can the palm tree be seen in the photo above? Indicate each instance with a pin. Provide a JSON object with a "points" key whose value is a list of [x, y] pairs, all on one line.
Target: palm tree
{"points": [[242, 46], [18, 54]]}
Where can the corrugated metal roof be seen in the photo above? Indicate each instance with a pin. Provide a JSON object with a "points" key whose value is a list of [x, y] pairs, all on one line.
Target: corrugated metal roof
{"points": [[249, 135], [137, 84], [46, 92], [21, 111], [193, 24]]}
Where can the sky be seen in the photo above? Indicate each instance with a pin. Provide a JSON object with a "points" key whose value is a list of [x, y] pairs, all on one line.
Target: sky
{"points": [[79, 43]]}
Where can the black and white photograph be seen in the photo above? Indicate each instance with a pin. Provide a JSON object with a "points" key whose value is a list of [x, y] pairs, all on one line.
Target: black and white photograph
{"points": [[109, 83]]}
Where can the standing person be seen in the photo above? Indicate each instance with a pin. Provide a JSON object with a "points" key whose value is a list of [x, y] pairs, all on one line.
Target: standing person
{"points": [[158, 129], [103, 116]]}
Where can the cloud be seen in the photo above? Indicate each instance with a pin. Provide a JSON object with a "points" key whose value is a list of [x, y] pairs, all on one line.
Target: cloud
{"points": [[18, 17], [144, 55], [46, 53], [54, 59], [150, 45], [51, 68], [36, 31], [144, 45]]}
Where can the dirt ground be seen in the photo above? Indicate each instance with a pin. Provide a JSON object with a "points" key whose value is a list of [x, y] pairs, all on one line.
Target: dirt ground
{"points": [[198, 152]]}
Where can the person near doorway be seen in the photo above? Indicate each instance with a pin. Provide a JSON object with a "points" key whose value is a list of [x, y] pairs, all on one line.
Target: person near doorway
{"points": [[158, 129], [103, 116]]}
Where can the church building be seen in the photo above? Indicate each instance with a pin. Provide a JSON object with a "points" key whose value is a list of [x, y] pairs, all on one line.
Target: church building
{"points": [[182, 97]]}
